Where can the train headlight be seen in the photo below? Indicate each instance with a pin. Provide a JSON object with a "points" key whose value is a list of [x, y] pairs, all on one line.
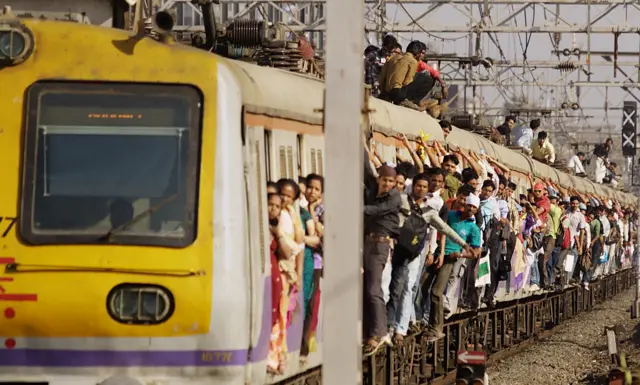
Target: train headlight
{"points": [[16, 43], [140, 304]]}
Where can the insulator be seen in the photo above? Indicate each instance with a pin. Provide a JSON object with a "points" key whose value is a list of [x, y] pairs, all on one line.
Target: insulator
{"points": [[575, 106], [564, 105], [246, 33], [567, 66], [566, 52]]}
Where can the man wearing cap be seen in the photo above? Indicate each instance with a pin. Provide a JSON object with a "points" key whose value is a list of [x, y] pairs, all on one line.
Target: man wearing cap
{"points": [[463, 222], [381, 226]]}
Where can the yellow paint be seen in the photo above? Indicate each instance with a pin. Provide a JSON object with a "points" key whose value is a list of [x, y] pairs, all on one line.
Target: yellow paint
{"points": [[74, 304]]}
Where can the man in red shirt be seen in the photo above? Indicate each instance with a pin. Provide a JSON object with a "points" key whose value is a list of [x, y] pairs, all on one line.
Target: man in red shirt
{"points": [[543, 204]]}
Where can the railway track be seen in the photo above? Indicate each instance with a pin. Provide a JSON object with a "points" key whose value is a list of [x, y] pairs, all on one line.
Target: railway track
{"points": [[500, 332]]}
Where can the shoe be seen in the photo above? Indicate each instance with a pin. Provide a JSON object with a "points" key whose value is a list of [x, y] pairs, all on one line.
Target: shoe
{"points": [[409, 104], [533, 288], [370, 349], [489, 302], [387, 340], [433, 336]]}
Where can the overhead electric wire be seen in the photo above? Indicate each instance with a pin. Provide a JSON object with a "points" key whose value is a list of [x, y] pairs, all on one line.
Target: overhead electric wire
{"points": [[415, 24]]}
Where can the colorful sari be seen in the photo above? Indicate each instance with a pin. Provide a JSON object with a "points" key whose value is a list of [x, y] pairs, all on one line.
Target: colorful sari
{"points": [[276, 360]]}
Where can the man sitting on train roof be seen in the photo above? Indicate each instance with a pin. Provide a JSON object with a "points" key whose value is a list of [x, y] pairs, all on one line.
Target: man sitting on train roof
{"points": [[375, 58], [524, 137], [506, 127], [575, 164], [401, 84], [542, 150]]}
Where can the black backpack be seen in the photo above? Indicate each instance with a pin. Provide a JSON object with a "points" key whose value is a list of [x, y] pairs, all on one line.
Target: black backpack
{"points": [[413, 233]]}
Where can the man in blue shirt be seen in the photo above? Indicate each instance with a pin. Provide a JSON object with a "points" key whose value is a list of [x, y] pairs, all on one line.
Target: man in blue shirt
{"points": [[464, 224]]}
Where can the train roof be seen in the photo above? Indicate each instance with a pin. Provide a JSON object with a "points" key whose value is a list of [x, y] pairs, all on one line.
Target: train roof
{"points": [[282, 94], [287, 95]]}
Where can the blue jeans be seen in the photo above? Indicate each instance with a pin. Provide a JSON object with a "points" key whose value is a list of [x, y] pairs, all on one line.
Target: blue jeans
{"points": [[421, 301], [535, 272], [402, 310]]}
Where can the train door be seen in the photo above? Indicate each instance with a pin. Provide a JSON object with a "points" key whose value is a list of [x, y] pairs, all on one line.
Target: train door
{"points": [[256, 190]]}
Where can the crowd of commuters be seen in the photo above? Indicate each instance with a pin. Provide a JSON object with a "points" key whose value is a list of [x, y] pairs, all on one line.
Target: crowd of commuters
{"points": [[443, 228], [296, 216], [446, 226]]}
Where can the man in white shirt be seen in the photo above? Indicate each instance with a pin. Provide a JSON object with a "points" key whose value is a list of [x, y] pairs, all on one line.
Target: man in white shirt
{"points": [[525, 136], [575, 164], [577, 226]]}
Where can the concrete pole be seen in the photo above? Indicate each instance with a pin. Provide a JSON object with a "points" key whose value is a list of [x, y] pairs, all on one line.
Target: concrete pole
{"points": [[342, 286], [636, 304]]}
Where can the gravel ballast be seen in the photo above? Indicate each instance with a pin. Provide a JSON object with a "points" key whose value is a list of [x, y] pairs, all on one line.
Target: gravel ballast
{"points": [[577, 351]]}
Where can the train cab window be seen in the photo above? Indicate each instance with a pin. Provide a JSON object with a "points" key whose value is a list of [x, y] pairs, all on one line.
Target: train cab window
{"points": [[111, 163]]}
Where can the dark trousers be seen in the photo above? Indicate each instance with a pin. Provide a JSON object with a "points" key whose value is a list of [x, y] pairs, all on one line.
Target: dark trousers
{"points": [[375, 255], [399, 277], [415, 91], [309, 314], [495, 251], [551, 265], [559, 267], [436, 280], [469, 293], [549, 244]]}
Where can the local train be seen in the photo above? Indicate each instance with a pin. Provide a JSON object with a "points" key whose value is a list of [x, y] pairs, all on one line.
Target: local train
{"points": [[133, 232]]}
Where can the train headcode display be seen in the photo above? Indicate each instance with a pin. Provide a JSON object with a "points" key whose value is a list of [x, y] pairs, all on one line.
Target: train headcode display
{"points": [[629, 124]]}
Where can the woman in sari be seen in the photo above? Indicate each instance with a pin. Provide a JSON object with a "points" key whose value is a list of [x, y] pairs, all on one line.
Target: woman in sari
{"points": [[283, 250], [312, 263]]}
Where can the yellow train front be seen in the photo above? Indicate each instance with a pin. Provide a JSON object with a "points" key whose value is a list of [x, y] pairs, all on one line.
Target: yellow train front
{"points": [[123, 215]]}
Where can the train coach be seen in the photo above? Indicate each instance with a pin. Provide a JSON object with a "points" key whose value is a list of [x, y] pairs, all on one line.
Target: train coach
{"points": [[134, 230]]}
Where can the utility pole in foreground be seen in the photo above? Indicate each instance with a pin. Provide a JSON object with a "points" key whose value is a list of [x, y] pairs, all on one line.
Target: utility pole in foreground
{"points": [[342, 286]]}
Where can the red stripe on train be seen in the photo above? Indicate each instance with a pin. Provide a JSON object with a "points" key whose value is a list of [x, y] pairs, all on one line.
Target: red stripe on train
{"points": [[19, 297], [6, 260]]}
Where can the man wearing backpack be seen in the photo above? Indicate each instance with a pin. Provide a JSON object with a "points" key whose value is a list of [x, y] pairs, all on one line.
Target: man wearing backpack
{"points": [[418, 215], [463, 222]]}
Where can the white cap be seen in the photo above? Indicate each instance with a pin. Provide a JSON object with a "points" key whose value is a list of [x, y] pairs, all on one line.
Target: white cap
{"points": [[473, 200]]}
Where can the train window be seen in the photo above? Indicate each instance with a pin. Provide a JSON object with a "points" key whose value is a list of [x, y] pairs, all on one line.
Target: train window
{"points": [[283, 162], [111, 163], [320, 164], [290, 162], [313, 160]]}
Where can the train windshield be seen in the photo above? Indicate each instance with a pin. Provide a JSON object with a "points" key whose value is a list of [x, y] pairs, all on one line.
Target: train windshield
{"points": [[115, 160]]}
